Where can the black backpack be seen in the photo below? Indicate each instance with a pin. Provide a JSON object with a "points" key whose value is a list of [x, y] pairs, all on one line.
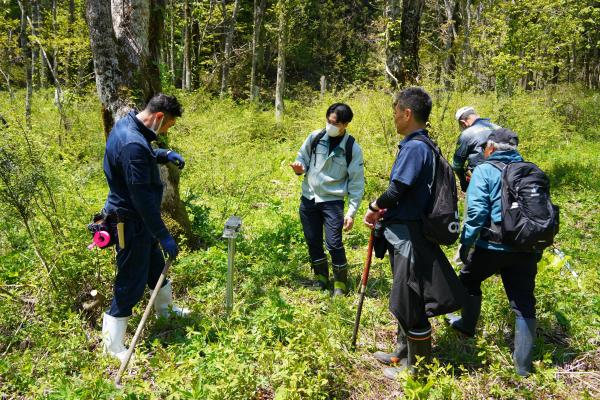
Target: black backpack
{"points": [[440, 221], [529, 219], [315, 142]]}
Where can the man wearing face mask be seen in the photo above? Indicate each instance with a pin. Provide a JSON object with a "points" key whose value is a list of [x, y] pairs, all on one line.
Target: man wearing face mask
{"points": [[333, 168], [134, 199]]}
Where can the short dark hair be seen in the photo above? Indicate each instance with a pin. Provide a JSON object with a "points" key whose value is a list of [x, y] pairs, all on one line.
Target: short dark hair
{"points": [[417, 99], [169, 105], [342, 111]]}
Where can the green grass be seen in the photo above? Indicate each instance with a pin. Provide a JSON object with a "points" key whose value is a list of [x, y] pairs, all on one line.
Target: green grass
{"points": [[283, 341]]}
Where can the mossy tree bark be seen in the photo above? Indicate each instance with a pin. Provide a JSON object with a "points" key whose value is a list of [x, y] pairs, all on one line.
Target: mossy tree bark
{"points": [[125, 41]]}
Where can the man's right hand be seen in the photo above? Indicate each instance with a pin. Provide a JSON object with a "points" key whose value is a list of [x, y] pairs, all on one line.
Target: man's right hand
{"points": [[297, 167], [169, 246]]}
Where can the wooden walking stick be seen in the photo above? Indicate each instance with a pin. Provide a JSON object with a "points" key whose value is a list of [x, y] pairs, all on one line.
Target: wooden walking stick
{"points": [[363, 287], [140, 328]]}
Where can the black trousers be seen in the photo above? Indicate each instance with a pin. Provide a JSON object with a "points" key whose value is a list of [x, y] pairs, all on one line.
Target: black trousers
{"points": [[139, 264], [517, 270], [315, 217], [424, 284]]}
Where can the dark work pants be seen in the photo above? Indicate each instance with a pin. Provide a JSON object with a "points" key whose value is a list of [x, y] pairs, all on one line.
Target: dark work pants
{"points": [[315, 217], [139, 264], [516, 269]]}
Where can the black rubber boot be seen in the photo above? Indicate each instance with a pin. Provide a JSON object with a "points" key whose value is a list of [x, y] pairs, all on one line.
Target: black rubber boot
{"points": [[524, 338], [400, 353], [340, 280], [466, 323], [419, 348], [321, 271]]}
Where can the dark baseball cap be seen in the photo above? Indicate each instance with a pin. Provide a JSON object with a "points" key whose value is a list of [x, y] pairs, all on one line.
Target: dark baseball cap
{"points": [[504, 135]]}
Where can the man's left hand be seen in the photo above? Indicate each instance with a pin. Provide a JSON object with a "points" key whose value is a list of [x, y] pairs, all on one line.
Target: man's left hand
{"points": [[348, 223], [176, 159]]}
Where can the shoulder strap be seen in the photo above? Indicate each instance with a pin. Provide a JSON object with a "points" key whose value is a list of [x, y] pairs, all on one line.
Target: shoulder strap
{"points": [[315, 141], [349, 146], [498, 164], [430, 143], [313, 145], [437, 154]]}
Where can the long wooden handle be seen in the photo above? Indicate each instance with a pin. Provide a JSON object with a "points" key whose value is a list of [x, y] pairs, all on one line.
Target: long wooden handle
{"points": [[140, 328], [363, 287]]}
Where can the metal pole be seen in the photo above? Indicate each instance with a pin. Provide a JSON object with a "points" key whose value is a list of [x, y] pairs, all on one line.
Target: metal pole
{"points": [[230, 259], [232, 228]]}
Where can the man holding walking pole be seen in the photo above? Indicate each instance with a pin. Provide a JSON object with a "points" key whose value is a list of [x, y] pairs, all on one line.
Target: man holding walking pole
{"points": [[423, 280], [133, 205]]}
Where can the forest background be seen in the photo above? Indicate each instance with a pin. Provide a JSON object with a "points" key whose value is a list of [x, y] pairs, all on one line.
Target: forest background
{"points": [[255, 77]]}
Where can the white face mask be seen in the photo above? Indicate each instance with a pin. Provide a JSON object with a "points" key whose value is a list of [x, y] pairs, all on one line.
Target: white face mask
{"points": [[156, 127], [332, 130]]}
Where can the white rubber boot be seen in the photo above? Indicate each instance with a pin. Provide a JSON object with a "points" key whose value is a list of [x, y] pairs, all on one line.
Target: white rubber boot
{"points": [[113, 335], [163, 304]]}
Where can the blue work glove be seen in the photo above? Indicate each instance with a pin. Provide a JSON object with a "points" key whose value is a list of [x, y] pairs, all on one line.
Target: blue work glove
{"points": [[169, 246], [464, 252], [176, 159]]}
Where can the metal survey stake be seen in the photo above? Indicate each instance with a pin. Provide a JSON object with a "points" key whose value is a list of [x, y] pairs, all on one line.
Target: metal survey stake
{"points": [[232, 228]]}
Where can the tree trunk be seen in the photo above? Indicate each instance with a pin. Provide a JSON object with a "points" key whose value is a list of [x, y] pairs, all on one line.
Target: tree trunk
{"points": [[410, 29], [211, 9], [26, 54], [37, 22], [34, 50], [125, 42], [105, 52], [186, 83], [259, 10], [71, 23], [450, 35], [228, 46], [172, 44], [392, 42], [9, 56], [281, 49]]}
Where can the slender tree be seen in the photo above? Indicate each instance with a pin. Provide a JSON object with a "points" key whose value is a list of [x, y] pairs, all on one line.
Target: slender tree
{"points": [[26, 53], [449, 37], [187, 47], [282, 38], [259, 10], [393, 64], [230, 29], [410, 29]]}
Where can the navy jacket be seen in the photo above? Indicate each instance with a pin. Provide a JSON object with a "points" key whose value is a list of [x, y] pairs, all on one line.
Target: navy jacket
{"points": [[131, 170]]}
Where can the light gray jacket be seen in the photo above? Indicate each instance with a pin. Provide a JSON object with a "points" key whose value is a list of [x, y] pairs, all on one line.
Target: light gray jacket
{"points": [[328, 177]]}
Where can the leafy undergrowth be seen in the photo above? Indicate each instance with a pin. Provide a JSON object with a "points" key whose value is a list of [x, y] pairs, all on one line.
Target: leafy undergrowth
{"points": [[283, 341]]}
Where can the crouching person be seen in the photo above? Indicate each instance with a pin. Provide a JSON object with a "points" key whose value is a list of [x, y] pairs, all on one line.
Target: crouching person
{"points": [[333, 168], [424, 283], [134, 199], [484, 255]]}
